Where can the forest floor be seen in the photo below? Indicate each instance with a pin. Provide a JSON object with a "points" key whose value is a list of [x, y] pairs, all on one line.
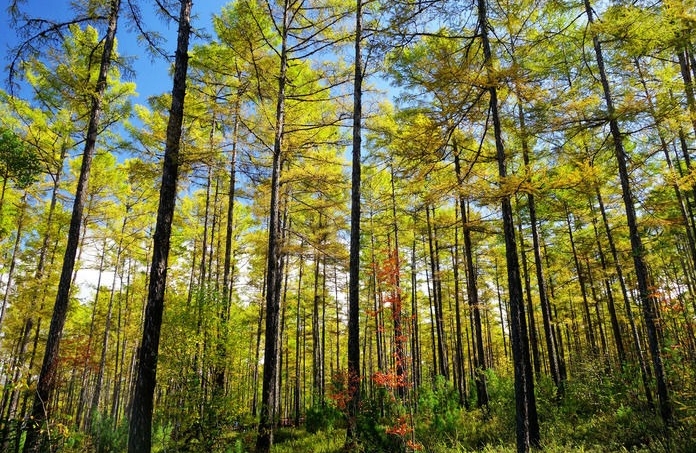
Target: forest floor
{"points": [[299, 441], [595, 415]]}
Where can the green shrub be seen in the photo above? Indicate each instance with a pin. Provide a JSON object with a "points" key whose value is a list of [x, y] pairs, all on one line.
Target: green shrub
{"points": [[108, 438], [322, 418]]}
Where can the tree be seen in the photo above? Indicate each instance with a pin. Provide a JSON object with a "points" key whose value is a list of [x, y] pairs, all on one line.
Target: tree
{"points": [[650, 315], [140, 430], [527, 422], [46, 382], [352, 433]]}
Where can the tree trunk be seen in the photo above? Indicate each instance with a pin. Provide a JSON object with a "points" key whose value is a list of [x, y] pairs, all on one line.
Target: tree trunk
{"points": [[615, 327], [107, 329], [317, 353], [395, 289], [140, 429], [269, 398], [533, 338], [650, 314], [443, 368], [415, 334], [527, 420], [47, 378], [472, 293], [546, 315], [227, 276], [13, 260], [458, 363], [589, 329], [627, 302], [352, 433]]}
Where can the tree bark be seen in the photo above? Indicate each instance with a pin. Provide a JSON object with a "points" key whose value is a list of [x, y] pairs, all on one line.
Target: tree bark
{"points": [[546, 315], [140, 429], [47, 378], [264, 439], [352, 433], [527, 420], [650, 314], [442, 359], [533, 338], [589, 327]]}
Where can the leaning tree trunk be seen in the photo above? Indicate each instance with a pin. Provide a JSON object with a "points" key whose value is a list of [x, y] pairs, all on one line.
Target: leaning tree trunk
{"points": [[638, 250], [47, 377], [140, 430]]}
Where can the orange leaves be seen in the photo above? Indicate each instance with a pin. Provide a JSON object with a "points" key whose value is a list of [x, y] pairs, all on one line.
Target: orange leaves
{"points": [[415, 446], [401, 428], [341, 388], [389, 380]]}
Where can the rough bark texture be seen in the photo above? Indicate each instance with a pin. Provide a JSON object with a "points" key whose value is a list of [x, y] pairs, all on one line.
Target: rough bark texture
{"points": [[140, 429]]}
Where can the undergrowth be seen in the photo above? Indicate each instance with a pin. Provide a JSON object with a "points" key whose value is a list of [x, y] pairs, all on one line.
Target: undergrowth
{"points": [[595, 414]]}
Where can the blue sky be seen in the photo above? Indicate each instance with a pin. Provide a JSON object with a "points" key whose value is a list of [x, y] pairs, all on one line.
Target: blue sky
{"points": [[151, 76]]}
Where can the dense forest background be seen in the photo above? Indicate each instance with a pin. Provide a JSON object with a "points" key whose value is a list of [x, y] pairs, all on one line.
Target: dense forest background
{"points": [[509, 244]]}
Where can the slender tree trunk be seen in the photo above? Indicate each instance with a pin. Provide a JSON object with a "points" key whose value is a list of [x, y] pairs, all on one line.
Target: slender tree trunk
{"points": [[13, 260], [297, 408], [396, 302], [472, 293], [443, 363], [352, 433], [257, 352], [627, 301], [140, 429], [415, 334], [459, 372], [107, 329], [227, 277], [688, 89], [527, 420], [264, 440], [615, 327], [533, 339], [600, 320], [650, 314], [316, 336], [589, 328], [546, 315], [120, 362], [376, 289], [681, 202], [431, 312], [47, 378], [500, 310]]}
